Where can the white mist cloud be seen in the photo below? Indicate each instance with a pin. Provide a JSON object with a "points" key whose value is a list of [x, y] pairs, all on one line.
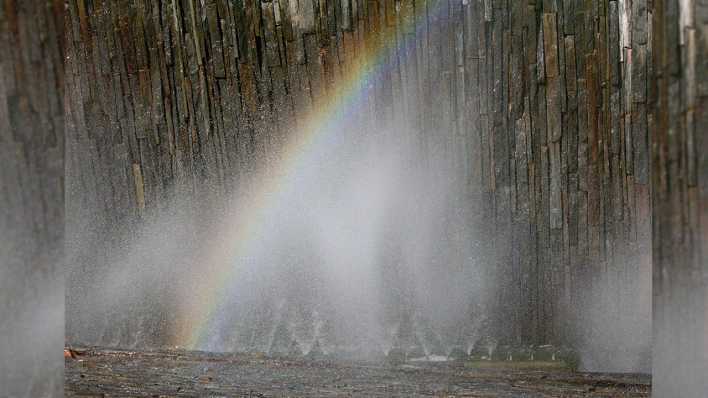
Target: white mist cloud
{"points": [[357, 237]]}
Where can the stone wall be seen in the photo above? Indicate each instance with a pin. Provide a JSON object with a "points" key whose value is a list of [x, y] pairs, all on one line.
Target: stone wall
{"points": [[678, 125], [542, 105], [31, 198]]}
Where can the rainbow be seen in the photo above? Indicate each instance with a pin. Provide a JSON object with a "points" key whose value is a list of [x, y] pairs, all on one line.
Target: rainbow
{"points": [[217, 269]]}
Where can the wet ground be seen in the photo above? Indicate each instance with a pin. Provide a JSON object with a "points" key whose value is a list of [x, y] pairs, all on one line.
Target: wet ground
{"points": [[108, 373]]}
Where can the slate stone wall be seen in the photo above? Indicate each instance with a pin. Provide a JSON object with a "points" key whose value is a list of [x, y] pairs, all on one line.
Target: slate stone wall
{"points": [[679, 143], [542, 106], [31, 198]]}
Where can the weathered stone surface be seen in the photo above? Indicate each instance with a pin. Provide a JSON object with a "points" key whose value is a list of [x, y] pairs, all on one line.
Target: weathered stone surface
{"points": [[677, 118], [541, 106], [32, 126]]}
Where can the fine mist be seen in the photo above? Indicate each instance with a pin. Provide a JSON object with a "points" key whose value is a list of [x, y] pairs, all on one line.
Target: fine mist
{"points": [[614, 325], [354, 248]]}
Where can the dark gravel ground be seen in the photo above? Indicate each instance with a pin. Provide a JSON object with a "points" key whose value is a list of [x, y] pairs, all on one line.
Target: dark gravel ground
{"points": [[110, 373]]}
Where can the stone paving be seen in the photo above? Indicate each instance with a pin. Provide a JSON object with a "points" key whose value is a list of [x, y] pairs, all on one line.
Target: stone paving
{"points": [[110, 373]]}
